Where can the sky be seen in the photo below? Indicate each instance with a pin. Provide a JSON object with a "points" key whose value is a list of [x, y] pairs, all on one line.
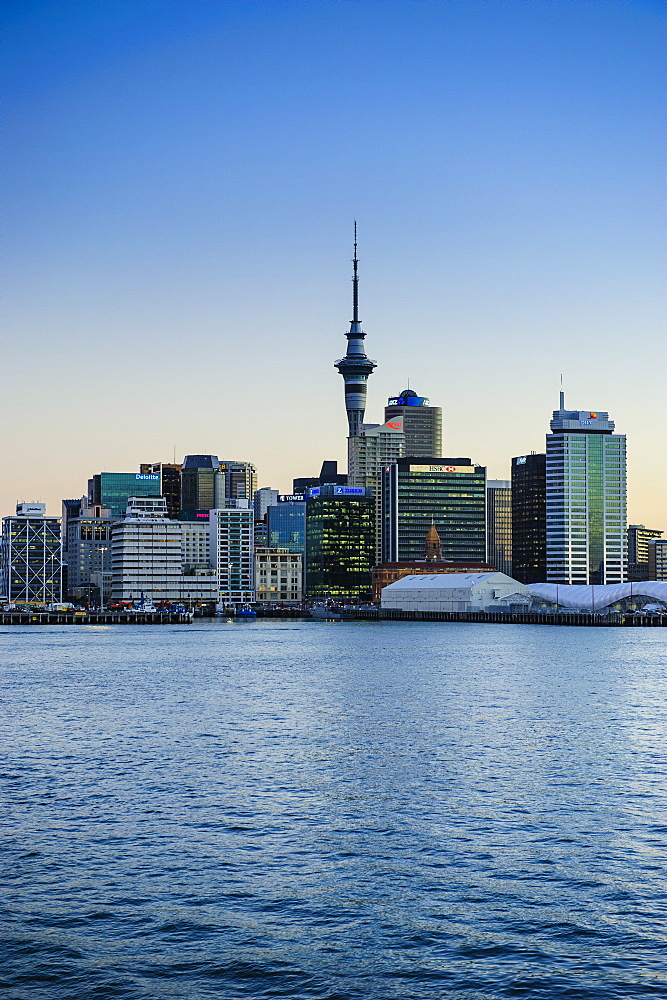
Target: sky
{"points": [[181, 180]]}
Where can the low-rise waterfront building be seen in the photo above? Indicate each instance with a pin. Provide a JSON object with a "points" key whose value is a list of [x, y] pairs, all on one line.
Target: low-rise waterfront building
{"points": [[387, 573], [278, 576], [456, 592], [657, 559], [639, 542]]}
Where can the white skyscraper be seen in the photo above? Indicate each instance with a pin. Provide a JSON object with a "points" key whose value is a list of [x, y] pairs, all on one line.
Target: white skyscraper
{"points": [[232, 551], [377, 445], [162, 560], [585, 499]]}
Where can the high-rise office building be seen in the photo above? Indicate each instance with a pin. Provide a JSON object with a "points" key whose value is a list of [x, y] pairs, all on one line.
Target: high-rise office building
{"points": [[199, 485], [377, 445], [447, 492], [329, 476], [264, 498], [286, 523], [232, 551], [113, 489], [31, 548], [238, 481], [87, 548], [422, 423], [145, 552], [340, 543], [499, 525], [355, 367], [529, 518], [170, 478], [657, 559], [158, 558], [586, 499], [639, 540]]}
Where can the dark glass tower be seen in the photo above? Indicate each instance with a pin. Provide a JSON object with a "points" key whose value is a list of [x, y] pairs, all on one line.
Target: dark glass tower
{"points": [[529, 518], [355, 367], [340, 544], [449, 493], [198, 483]]}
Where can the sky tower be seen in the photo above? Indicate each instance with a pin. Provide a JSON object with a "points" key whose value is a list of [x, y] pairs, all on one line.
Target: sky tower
{"points": [[355, 367]]}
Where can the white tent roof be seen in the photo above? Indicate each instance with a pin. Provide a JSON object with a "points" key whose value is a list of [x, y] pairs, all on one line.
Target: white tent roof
{"points": [[588, 598]]}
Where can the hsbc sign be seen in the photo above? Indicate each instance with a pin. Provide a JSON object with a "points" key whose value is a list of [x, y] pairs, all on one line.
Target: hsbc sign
{"points": [[466, 470]]}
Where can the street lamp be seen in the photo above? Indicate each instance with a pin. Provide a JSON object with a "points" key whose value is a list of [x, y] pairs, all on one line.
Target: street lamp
{"points": [[103, 549]]}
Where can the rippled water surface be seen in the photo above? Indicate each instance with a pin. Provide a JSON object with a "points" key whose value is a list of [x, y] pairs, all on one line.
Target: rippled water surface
{"points": [[318, 810]]}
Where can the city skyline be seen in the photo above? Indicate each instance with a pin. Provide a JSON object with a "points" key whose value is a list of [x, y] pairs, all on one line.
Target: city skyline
{"points": [[170, 287]]}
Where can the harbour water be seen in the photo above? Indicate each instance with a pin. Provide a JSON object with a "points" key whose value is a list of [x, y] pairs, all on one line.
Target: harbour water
{"points": [[333, 811]]}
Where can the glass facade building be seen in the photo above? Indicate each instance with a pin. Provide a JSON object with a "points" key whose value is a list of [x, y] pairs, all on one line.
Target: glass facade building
{"points": [[170, 479], [499, 525], [447, 492], [529, 518], [113, 489], [286, 524], [340, 544], [199, 484], [585, 499]]}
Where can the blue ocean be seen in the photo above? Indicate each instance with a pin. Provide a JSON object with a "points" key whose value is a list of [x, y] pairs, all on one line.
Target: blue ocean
{"points": [[337, 811]]}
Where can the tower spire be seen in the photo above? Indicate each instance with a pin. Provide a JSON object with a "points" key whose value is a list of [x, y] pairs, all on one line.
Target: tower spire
{"points": [[355, 280], [355, 367]]}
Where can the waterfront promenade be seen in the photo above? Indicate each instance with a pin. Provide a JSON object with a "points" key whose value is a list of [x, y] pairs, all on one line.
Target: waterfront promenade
{"points": [[615, 619]]}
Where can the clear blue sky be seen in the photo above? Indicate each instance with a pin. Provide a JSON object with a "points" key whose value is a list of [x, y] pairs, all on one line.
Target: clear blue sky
{"points": [[180, 181]]}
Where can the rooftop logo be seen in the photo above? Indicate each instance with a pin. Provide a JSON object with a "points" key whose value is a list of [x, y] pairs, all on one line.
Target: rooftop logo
{"points": [[464, 469], [141, 475]]}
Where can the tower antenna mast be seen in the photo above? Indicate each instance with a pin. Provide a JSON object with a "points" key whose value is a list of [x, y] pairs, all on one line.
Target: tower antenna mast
{"points": [[355, 367]]}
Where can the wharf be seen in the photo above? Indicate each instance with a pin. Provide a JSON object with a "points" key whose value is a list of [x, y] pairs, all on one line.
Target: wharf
{"points": [[94, 618], [614, 619]]}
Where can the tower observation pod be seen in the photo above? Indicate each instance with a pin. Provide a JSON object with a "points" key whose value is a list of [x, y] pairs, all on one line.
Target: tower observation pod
{"points": [[355, 367]]}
